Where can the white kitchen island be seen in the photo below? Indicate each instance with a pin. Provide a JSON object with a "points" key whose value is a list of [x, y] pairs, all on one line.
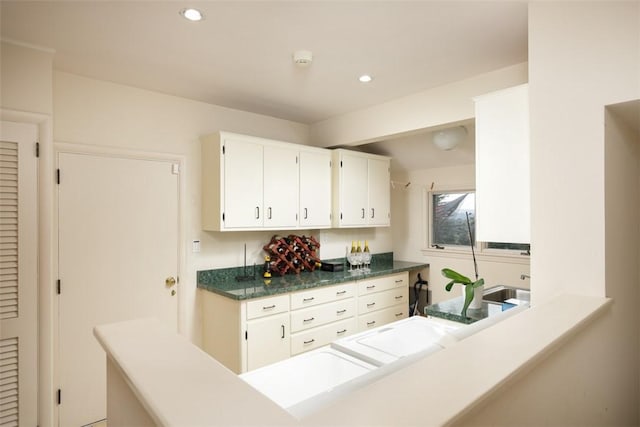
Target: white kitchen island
{"points": [[156, 377]]}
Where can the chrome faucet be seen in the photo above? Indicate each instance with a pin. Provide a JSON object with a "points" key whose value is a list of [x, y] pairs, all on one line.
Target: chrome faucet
{"points": [[524, 276]]}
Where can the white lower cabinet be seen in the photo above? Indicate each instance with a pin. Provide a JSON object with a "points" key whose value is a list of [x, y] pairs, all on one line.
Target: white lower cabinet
{"points": [[246, 335], [267, 340]]}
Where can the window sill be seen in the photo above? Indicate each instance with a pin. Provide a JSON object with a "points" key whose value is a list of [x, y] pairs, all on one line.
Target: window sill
{"points": [[511, 258]]}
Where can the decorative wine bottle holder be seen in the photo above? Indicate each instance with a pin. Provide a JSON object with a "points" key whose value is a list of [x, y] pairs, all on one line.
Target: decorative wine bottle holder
{"points": [[292, 254]]}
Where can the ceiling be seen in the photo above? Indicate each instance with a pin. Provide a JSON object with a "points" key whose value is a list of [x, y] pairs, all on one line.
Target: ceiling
{"points": [[240, 56]]}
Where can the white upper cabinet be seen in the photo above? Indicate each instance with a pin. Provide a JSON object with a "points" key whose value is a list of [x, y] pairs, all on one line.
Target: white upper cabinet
{"points": [[251, 183], [502, 166], [361, 189], [315, 188], [280, 187]]}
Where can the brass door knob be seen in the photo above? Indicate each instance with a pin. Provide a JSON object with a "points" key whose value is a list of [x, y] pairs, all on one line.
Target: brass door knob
{"points": [[170, 281]]}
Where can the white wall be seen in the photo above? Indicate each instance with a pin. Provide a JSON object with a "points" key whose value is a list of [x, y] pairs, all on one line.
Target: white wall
{"points": [[582, 56], [26, 78], [443, 104], [104, 114], [409, 216]]}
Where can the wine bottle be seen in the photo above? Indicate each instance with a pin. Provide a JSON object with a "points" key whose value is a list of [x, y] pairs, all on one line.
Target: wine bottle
{"points": [[358, 248]]}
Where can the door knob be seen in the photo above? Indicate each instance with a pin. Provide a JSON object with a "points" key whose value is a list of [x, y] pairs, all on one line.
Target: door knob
{"points": [[170, 281]]}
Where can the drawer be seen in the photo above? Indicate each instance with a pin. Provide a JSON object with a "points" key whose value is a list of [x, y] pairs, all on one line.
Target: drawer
{"points": [[380, 300], [323, 335], [382, 317], [267, 306], [383, 283], [322, 314], [322, 295]]}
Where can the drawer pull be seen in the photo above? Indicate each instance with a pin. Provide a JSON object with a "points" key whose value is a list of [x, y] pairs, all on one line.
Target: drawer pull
{"points": [[371, 304], [307, 320], [282, 331], [269, 307], [399, 314], [341, 311], [400, 281], [310, 341], [341, 332], [308, 299], [341, 292], [373, 322], [371, 286], [398, 296]]}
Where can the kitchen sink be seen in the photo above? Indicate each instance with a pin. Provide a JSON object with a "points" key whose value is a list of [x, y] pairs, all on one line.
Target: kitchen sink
{"points": [[501, 294]]}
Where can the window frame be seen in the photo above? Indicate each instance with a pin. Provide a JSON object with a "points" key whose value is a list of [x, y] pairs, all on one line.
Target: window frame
{"points": [[481, 248]]}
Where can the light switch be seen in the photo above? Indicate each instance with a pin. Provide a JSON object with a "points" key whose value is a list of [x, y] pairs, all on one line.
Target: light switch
{"points": [[196, 246]]}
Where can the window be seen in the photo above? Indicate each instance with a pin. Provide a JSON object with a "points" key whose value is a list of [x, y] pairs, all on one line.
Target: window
{"points": [[449, 218], [448, 212]]}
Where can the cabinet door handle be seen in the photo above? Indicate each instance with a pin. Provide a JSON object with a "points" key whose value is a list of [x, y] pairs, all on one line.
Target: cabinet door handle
{"points": [[362, 213], [371, 304], [341, 311], [371, 287], [308, 299], [307, 320], [282, 331], [399, 314], [269, 307], [341, 292], [341, 332], [310, 341], [269, 213], [305, 213], [257, 212], [398, 296], [373, 213], [373, 322], [400, 281]]}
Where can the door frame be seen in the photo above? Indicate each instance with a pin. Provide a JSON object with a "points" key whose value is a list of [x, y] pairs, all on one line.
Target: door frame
{"points": [[72, 148], [44, 123]]}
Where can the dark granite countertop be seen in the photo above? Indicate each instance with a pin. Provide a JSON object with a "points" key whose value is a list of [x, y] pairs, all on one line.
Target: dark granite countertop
{"points": [[451, 310], [223, 282]]}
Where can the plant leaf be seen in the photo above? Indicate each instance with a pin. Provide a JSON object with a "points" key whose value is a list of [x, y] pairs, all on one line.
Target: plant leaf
{"points": [[455, 276], [449, 286], [468, 296], [478, 283]]}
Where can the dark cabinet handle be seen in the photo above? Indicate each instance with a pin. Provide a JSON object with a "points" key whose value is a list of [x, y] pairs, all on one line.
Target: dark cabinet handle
{"points": [[305, 213], [282, 331], [398, 296], [269, 214], [341, 311], [373, 322], [399, 314], [341, 332], [308, 320], [371, 287], [373, 213], [362, 213], [269, 307], [400, 281], [308, 299], [257, 212], [371, 304], [341, 292], [309, 342]]}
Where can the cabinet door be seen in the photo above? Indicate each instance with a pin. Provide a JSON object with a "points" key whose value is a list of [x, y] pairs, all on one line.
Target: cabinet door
{"points": [[502, 166], [280, 187], [315, 189], [242, 184], [353, 190], [379, 192], [267, 340]]}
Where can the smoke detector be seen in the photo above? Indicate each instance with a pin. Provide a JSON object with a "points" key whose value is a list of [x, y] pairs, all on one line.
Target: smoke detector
{"points": [[302, 58]]}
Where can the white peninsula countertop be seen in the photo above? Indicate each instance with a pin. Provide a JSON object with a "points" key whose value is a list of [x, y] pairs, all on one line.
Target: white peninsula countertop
{"points": [[153, 370]]}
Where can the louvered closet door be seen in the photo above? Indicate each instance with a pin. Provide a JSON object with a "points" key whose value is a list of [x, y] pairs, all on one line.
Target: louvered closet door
{"points": [[18, 275]]}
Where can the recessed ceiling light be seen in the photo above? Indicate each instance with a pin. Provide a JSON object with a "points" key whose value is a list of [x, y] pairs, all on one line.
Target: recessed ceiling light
{"points": [[365, 78], [192, 14]]}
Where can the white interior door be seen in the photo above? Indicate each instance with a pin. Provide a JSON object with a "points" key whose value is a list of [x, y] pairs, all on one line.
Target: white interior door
{"points": [[18, 274], [118, 243]]}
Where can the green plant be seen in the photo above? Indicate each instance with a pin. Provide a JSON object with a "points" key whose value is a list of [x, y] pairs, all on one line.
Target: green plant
{"points": [[469, 286]]}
